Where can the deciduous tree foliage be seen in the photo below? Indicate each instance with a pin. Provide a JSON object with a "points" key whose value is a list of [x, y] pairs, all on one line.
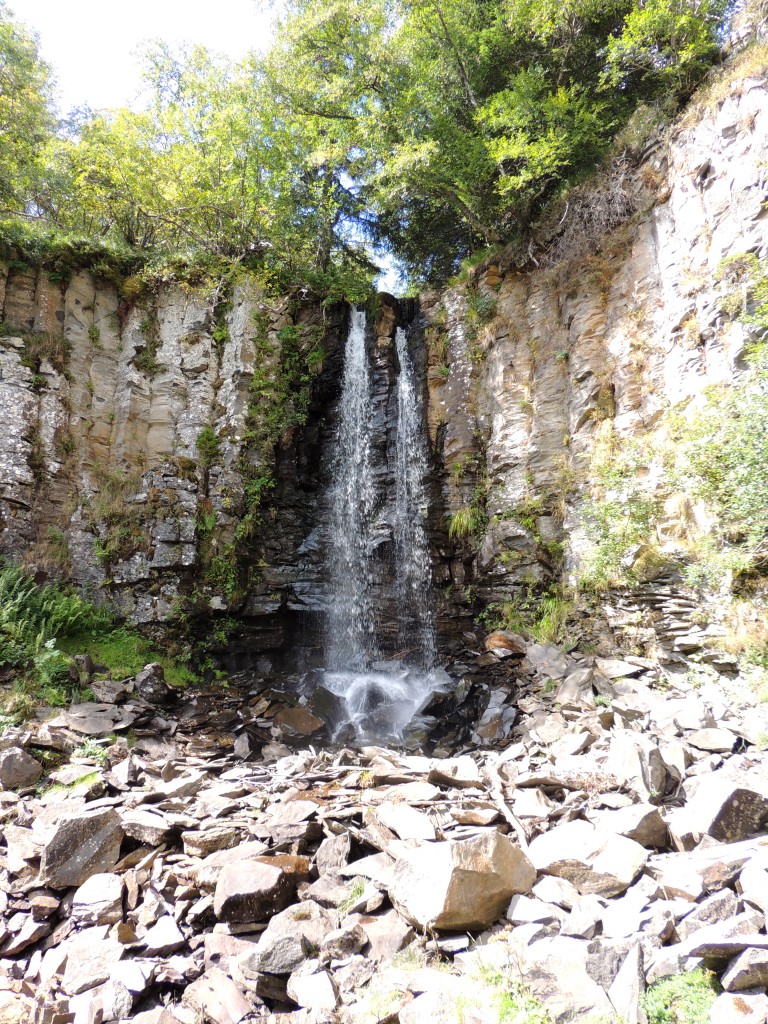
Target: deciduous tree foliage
{"points": [[426, 127], [25, 117], [466, 115]]}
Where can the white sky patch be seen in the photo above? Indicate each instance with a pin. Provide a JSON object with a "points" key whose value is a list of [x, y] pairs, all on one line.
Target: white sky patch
{"points": [[93, 44]]}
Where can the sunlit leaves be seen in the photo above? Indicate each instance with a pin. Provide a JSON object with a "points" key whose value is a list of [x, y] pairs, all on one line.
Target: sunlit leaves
{"points": [[25, 118]]}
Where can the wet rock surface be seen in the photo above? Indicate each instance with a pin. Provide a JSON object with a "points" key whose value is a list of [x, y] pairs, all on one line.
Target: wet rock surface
{"points": [[594, 849]]}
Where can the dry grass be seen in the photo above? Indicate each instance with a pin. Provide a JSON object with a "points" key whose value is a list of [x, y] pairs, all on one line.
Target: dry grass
{"points": [[746, 622], [726, 81], [577, 224]]}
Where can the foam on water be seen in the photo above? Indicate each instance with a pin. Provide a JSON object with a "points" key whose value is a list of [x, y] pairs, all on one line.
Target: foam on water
{"points": [[380, 705]]}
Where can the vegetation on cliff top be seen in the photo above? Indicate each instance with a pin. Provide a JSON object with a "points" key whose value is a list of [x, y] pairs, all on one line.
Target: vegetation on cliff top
{"points": [[426, 128]]}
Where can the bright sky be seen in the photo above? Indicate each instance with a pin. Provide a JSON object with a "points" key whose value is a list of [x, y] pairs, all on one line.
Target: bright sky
{"points": [[91, 43]]}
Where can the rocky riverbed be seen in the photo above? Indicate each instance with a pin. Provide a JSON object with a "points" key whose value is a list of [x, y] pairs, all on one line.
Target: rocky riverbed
{"points": [[599, 824]]}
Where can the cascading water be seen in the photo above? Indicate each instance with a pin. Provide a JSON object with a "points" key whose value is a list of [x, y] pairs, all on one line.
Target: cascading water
{"points": [[351, 636], [380, 697], [412, 557]]}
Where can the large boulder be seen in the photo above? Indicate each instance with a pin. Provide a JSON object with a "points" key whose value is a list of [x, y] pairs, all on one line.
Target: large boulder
{"points": [[595, 861], [151, 685], [99, 900], [725, 809], [297, 722], [90, 960], [83, 844], [17, 769], [289, 939], [252, 891], [555, 970], [216, 998], [460, 885]]}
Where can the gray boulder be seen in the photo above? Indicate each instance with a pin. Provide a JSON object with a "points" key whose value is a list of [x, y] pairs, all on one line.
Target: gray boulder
{"points": [[17, 769], [460, 885], [252, 891], [82, 845]]}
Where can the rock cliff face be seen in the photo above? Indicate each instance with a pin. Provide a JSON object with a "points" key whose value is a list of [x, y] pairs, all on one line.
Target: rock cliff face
{"points": [[526, 368], [133, 439], [130, 433]]}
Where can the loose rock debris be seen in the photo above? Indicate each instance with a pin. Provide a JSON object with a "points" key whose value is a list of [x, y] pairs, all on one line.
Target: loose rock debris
{"points": [[592, 848]]}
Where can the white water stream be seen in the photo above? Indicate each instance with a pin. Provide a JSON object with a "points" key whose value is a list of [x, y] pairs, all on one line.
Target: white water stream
{"points": [[381, 698]]}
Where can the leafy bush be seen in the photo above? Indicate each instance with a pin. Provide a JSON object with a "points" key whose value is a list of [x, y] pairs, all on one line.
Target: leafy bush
{"points": [[721, 450], [34, 243], [41, 627], [542, 618], [620, 514]]}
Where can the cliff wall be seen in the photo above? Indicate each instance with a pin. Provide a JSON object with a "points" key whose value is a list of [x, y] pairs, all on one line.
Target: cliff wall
{"points": [[530, 371], [166, 449], [138, 453]]}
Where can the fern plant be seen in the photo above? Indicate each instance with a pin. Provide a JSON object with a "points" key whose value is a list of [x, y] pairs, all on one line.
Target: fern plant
{"points": [[32, 618]]}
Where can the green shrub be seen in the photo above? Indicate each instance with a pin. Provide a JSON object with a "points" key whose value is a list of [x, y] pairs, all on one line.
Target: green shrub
{"points": [[543, 618], [465, 523], [620, 515], [32, 616], [208, 444], [41, 627], [721, 455], [482, 308], [682, 999]]}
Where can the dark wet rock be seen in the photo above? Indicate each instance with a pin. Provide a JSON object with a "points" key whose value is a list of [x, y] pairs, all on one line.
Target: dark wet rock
{"points": [[298, 721], [82, 845], [151, 685], [327, 706]]}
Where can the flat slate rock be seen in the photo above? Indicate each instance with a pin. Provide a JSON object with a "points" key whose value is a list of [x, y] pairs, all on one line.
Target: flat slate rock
{"points": [[92, 719]]}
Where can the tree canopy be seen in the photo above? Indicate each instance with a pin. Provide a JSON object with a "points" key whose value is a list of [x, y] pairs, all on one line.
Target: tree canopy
{"points": [[26, 119], [424, 127]]}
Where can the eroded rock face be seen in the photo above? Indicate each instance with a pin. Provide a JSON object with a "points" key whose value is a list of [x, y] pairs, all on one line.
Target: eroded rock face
{"points": [[518, 402], [608, 340], [119, 406]]}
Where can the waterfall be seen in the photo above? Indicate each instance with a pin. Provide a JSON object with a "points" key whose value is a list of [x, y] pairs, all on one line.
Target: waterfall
{"points": [[380, 696], [412, 555], [351, 638]]}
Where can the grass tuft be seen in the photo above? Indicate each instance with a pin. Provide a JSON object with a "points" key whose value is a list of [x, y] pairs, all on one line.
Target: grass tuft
{"points": [[682, 999]]}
